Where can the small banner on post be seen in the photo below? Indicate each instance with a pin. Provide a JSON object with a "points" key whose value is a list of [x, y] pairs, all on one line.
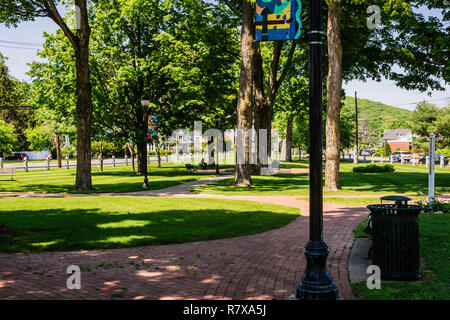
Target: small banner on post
{"points": [[278, 20], [152, 127]]}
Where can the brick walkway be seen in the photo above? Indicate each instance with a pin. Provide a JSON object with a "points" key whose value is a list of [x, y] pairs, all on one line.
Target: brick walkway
{"points": [[262, 266]]}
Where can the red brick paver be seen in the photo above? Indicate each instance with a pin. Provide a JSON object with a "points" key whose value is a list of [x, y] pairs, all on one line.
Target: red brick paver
{"points": [[261, 266]]}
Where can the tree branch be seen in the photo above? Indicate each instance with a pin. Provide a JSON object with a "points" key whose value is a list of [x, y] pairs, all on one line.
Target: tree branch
{"points": [[55, 16], [273, 70], [286, 67]]}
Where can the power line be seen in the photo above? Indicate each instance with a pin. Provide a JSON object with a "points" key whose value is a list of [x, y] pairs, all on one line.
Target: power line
{"points": [[11, 47], [32, 44], [405, 104]]}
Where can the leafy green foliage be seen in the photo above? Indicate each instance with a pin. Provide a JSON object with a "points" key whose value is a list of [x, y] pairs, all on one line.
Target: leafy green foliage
{"points": [[40, 138], [372, 168], [13, 108], [436, 205], [7, 139], [385, 150], [444, 151], [109, 149], [428, 118]]}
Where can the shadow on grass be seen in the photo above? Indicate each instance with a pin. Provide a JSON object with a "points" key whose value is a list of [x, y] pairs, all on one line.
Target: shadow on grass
{"points": [[295, 164], [276, 183], [76, 229]]}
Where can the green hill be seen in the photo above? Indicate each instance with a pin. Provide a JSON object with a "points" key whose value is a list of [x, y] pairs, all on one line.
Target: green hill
{"points": [[380, 116], [375, 117]]}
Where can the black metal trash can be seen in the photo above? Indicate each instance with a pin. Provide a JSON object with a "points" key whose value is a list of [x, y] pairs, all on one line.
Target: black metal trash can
{"points": [[395, 238]]}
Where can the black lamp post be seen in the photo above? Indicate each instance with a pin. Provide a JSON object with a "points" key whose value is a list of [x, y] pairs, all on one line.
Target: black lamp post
{"points": [[145, 102], [217, 144], [316, 282]]}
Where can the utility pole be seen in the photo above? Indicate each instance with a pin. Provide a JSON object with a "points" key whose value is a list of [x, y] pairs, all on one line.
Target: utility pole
{"points": [[355, 160]]}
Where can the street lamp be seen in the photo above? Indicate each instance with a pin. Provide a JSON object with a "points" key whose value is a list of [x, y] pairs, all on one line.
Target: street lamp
{"points": [[145, 102], [217, 145], [316, 282]]}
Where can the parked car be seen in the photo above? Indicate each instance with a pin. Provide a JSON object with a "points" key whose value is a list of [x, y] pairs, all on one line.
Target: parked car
{"points": [[398, 155], [367, 152], [16, 156], [437, 159]]}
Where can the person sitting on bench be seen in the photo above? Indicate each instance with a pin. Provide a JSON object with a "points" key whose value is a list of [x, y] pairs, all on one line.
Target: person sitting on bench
{"points": [[202, 164]]}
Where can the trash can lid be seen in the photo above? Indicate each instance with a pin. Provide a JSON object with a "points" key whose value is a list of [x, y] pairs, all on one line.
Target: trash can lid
{"points": [[395, 198]]}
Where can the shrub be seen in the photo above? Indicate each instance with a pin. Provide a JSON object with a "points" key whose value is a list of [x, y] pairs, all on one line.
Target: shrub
{"points": [[435, 206], [68, 151], [109, 149], [374, 168], [385, 150]]}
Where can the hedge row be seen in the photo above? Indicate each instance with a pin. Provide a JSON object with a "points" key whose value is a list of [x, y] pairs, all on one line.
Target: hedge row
{"points": [[374, 168]]}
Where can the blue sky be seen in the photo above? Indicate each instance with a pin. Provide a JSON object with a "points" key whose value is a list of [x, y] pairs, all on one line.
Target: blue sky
{"points": [[31, 32]]}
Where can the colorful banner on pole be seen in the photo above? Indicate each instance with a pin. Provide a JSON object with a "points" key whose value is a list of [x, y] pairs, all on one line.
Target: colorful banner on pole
{"points": [[278, 20], [152, 127]]}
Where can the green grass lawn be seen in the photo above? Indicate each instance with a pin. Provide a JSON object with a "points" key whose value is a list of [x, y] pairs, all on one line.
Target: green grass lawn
{"points": [[75, 223], [406, 179], [118, 179], [435, 251]]}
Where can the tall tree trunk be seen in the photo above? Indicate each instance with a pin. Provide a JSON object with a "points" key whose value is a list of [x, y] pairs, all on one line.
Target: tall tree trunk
{"points": [[83, 179], [242, 176], [131, 149], [58, 151], [289, 140], [101, 157], [158, 154], [334, 91]]}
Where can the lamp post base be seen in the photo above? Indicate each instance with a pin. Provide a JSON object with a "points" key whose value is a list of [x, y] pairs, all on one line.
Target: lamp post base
{"points": [[316, 283]]}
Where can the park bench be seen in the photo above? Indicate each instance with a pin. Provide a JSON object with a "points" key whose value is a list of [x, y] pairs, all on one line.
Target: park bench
{"points": [[8, 172], [190, 167]]}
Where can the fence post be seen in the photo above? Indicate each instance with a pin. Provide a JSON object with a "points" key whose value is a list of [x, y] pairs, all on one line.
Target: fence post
{"points": [[427, 161], [126, 161], [392, 159], [47, 162], [25, 164], [167, 157], [67, 163], [373, 157], [364, 158], [381, 161], [1, 163], [413, 159], [402, 161], [113, 161], [441, 164]]}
